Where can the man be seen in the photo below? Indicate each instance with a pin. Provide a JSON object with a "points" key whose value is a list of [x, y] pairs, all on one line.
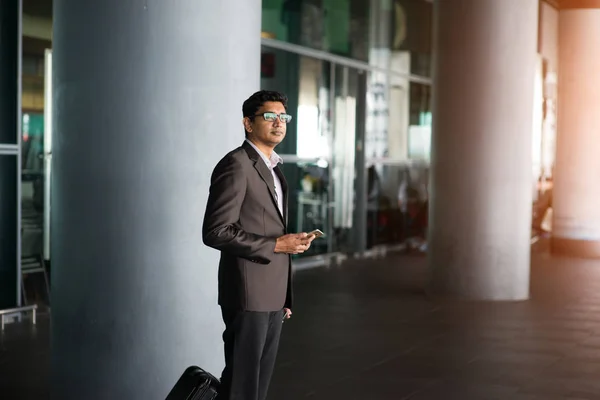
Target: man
{"points": [[246, 219]]}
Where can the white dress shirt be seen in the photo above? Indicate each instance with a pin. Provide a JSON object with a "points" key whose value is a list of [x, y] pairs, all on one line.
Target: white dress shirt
{"points": [[271, 164]]}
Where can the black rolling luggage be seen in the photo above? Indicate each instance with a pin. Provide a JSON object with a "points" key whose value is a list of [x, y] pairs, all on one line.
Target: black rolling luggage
{"points": [[195, 384]]}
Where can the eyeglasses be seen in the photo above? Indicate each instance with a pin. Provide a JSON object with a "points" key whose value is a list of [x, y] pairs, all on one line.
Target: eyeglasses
{"points": [[271, 117]]}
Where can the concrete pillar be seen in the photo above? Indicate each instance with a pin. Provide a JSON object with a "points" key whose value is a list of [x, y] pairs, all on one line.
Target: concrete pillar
{"points": [[147, 98], [10, 170], [480, 205], [576, 194]]}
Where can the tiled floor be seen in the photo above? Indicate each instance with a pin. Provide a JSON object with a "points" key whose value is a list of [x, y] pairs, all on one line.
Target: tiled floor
{"points": [[367, 331]]}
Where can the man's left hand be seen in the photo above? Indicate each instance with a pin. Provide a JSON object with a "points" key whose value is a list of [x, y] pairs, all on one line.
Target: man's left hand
{"points": [[287, 313]]}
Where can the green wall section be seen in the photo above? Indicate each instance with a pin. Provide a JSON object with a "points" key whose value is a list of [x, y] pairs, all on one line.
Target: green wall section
{"points": [[338, 25], [277, 15], [272, 19]]}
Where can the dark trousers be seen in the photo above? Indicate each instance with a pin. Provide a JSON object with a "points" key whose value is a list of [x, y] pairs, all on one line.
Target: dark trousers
{"points": [[251, 342]]}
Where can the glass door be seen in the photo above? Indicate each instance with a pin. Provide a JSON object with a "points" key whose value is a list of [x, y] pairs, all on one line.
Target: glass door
{"points": [[327, 101], [398, 140], [306, 150], [35, 174]]}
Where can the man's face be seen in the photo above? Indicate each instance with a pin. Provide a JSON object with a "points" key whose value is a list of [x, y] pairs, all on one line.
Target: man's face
{"points": [[268, 132]]}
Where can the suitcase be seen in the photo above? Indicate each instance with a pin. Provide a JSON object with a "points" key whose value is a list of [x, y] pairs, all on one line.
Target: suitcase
{"points": [[195, 384]]}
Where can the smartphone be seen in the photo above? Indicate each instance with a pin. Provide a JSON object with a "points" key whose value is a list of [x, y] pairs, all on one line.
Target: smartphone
{"points": [[317, 233]]}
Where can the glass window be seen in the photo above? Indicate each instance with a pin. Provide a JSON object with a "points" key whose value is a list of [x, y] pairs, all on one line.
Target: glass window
{"points": [[398, 119], [359, 29], [35, 174], [306, 82], [412, 24], [309, 198], [33, 83], [313, 124], [319, 149], [306, 150], [336, 26], [32, 143], [419, 128], [333, 105], [397, 146], [397, 204]]}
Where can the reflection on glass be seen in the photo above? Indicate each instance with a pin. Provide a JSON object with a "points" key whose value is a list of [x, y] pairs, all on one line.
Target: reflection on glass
{"points": [[32, 186], [343, 170], [335, 26], [32, 143], [319, 149], [378, 112], [311, 197], [387, 117], [35, 76], [306, 150], [344, 155], [419, 130], [313, 124], [419, 142], [32, 207], [399, 118], [397, 208], [412, 36]]}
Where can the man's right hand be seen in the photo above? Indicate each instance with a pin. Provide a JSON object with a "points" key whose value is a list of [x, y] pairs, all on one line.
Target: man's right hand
{"points": [[293, 243]]}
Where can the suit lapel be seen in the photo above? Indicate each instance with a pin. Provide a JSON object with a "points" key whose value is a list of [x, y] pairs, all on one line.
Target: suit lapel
{"points": [[267, 177]]}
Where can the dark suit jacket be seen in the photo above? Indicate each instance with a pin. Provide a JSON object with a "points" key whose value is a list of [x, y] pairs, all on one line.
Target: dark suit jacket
{"points": [[242, 220]]}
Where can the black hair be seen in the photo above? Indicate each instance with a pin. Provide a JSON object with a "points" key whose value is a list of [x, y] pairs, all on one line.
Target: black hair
{"points": [[258, 99]]}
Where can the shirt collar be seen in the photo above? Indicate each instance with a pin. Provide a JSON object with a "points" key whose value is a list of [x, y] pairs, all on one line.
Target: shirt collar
{"points": [[273, 161]]}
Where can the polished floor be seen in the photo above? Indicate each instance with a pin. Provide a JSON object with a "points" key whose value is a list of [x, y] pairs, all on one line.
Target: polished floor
{"points": [[366, 330]]}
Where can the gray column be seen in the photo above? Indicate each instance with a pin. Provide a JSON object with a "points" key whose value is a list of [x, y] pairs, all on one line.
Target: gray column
{"points": [[147, 98], [10, 112], [480, 211]]}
